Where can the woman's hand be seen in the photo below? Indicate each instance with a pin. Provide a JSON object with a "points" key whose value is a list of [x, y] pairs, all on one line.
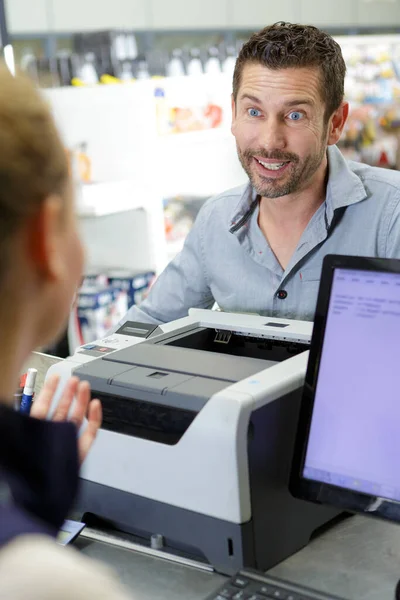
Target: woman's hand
{"points": [[83, 407]]}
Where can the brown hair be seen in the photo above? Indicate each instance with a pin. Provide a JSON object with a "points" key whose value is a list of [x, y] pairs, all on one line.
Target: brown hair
{"points": [[33, 163], [286, 45]]}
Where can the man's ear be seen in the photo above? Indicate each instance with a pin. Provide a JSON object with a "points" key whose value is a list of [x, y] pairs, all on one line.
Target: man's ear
{"points": [[43, 236], [337, 123]]}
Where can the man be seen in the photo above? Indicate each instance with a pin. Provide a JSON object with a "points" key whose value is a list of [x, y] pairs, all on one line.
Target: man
{"points": [[259, 248]]}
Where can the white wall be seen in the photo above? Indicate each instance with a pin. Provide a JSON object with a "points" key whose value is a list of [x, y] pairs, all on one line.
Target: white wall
{"points": [[79, 15], [27, 16], [70, 15]]}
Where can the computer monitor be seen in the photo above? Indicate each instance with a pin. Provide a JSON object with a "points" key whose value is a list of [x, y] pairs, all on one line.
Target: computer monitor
{"points": [[347, 451]]}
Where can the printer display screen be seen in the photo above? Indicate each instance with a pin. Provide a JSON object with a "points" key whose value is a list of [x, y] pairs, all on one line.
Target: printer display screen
{"points": [[354, 440]]}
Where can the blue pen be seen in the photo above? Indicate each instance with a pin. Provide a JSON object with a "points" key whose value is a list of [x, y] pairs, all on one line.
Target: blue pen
{"points": [[27, 396]]}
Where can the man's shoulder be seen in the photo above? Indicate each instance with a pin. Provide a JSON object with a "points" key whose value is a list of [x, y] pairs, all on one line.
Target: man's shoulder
{"points": [[225, 203], [376, 175]]}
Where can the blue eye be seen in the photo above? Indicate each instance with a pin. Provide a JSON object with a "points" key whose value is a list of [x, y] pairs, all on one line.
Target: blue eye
{"points": [[295, 116], [253, 112]]}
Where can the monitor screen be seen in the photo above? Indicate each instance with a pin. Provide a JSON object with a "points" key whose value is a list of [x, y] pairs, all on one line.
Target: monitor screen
{"points": [[353, 436]]}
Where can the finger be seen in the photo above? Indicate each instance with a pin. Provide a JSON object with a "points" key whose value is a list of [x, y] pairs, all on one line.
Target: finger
{"points": [[81, 405], [95, 416], [62, 409], [42, 403]]}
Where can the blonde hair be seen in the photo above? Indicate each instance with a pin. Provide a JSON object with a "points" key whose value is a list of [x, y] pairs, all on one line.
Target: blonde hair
{"points": [[33, 163]]}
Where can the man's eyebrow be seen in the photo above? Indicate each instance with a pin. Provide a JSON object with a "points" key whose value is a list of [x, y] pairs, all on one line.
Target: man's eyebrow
{"points": [[299, 101], [289, 104], [251, 98]]}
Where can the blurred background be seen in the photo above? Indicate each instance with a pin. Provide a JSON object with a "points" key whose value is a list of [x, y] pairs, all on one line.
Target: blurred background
{"points": [[141, 92]]}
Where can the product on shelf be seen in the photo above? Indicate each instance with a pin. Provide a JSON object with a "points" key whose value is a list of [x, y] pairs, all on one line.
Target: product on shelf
{"points": [[180, 213], [390, 122], [135, 283], [195, 66], [96, 312], [80, 163], [175, 66], [105, 296], [372, 86], [180, 109]]}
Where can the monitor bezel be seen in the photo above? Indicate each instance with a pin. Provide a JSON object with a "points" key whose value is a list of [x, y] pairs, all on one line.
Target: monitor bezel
{"points": [[323, 492]]}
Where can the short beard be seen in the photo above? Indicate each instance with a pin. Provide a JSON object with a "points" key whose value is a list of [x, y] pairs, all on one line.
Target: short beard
{"points": [[300, 172]]}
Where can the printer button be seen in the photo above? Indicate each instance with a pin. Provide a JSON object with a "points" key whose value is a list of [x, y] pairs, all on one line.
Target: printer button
{"points": [[240, 582], [266, 590], [282, 294], [279, 593], [241, 596], [226, 593]]}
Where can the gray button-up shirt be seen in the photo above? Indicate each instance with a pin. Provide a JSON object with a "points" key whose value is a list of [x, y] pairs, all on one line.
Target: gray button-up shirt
{"points": [[226, 258]]}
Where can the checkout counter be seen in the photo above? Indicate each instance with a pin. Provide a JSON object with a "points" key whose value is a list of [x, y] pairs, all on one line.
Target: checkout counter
{"points": [[247, 502], [358, 559], [195, 451]]}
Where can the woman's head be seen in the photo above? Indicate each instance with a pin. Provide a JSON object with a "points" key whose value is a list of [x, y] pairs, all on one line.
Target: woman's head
{"points": [[40, 252]]}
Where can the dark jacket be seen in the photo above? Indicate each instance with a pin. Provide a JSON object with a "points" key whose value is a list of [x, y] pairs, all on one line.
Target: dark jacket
{"points": [[38, 474]]}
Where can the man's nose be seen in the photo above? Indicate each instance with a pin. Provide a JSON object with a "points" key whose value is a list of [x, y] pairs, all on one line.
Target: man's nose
{"points": [[273, 135]]}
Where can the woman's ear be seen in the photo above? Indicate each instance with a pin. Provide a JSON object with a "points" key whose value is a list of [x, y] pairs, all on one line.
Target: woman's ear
{"points": [[43, 238]]}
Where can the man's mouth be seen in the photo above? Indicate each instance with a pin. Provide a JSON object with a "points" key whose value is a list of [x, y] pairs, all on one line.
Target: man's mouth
{"points": [[272, 166]]}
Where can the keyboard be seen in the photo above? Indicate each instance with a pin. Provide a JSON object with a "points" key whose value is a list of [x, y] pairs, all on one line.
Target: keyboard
{"points": [[249, 585]]}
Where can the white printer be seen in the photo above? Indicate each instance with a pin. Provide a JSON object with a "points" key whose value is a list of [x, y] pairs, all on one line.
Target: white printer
{"points": [[196, 445]]}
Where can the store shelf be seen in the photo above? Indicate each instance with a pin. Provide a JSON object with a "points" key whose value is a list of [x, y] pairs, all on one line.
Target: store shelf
{"points": [[137, 168], [107, 198]]}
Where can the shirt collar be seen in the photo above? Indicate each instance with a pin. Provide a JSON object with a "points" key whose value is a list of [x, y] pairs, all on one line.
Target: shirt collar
{"points": [[344, 188], [244, 209]]}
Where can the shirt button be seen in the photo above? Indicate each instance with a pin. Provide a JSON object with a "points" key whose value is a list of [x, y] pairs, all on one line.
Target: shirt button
{"points": [[282, 294]]}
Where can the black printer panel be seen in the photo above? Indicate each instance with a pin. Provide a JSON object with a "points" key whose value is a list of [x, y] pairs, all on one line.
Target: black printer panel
{"points": [[146, 420]]}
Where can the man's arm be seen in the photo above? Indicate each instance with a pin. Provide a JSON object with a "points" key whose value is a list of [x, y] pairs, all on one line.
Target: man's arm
{"points": [[182, 285], [393, 236]]}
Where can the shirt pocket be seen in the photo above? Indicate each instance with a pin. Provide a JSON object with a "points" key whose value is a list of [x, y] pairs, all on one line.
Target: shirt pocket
{"points": [[310, 274], [309, 281]]}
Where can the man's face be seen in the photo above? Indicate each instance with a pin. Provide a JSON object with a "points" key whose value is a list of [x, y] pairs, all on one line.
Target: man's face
{"points": [[280, 130]]}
